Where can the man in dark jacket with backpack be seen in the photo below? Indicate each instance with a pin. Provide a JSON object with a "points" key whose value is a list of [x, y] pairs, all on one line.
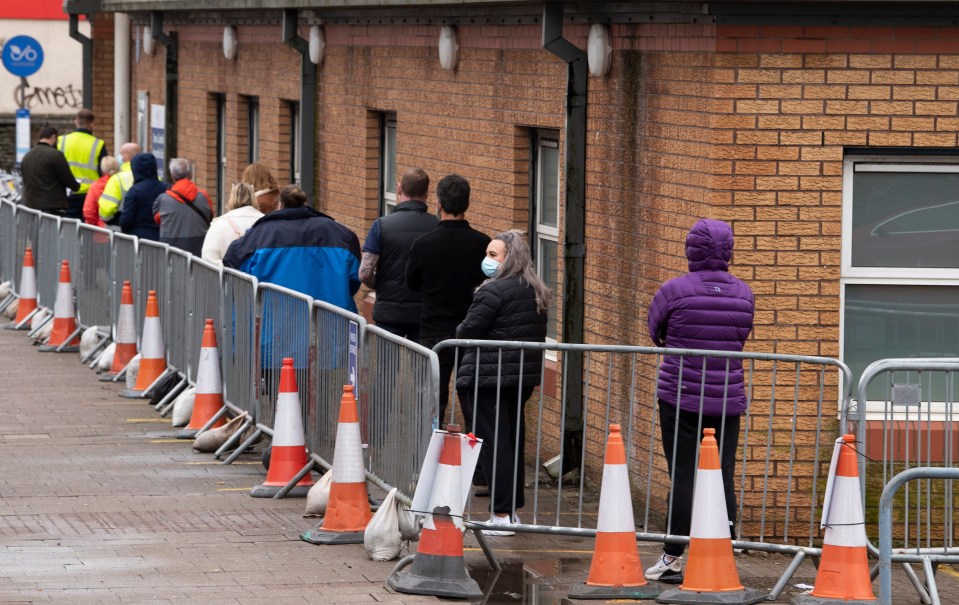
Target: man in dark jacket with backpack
{"points": [[184, 211], [136, 212]]}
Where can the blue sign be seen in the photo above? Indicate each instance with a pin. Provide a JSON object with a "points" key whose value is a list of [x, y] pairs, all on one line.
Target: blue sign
{"points": [[22, 56]]}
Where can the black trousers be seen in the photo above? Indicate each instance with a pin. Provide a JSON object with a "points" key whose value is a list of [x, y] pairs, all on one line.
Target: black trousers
{"points": [[409, 331], [501, 427], [685, 432]]}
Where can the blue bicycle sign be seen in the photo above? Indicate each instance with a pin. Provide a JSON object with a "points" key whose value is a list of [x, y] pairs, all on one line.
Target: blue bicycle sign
{"points": [[22, 56]]}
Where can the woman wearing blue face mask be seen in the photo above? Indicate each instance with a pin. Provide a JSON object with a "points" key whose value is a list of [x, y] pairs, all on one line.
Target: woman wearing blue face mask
{"points": [[511, 305]]}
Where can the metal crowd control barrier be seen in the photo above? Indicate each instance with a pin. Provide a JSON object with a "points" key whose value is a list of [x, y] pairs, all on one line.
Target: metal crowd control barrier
{"points": [[28, 225], [786, 424], [907, 428], [124, 264], [205, 303], [238, 343], [399, 397], [929, 592], [151, 275], [93, 278], [177, 328], [69, 244], [338, 342], [47, 258], [8, 241]]}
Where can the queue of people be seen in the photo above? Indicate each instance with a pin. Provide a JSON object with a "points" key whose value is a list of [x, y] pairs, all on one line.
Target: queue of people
{"points": [[435, 278]]}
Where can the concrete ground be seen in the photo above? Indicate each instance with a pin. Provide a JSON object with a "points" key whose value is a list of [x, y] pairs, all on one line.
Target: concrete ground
{"points": [[100, 504]]}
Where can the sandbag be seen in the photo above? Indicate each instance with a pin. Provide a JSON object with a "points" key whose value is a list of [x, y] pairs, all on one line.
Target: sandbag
{"points": [[88, 341], [382, 539], [42, 333], [6, 289], [133, 368], [409, 525], [319, 496], [210, 441], [166, 384], [183, 407], [11, 311], [105, 361]]}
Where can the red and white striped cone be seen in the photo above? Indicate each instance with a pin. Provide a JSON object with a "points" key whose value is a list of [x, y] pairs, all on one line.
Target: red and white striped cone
{"points": [[208, 400], [152, 351], [843, 574], [348, 511], [616, 571], [126, 336], [711, 575], [438, 568], [288, 452], [27, 302], [65, 335]]}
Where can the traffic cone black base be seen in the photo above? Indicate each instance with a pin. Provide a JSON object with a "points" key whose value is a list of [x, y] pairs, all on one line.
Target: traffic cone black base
{"points": [[56, 349], [435, 575], [746, 596], [321, 536], [268, 491], [808, 599], [636, 593]]}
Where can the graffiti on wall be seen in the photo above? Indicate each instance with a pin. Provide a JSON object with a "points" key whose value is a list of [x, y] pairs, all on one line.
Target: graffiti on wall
{"points": [[47, 97]]}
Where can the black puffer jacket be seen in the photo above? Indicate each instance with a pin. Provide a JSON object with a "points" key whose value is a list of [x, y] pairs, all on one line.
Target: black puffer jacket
{"points": [[503, 309]]}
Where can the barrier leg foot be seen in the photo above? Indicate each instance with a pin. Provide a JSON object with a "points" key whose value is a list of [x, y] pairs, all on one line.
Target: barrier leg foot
{"points": [[132, 394], [808, 599], [106, 377], [746, 596], [187, 434], [58, 349], [636, 593], [268, 491]]}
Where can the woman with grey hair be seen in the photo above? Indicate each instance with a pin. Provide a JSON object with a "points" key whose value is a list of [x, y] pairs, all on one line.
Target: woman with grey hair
{"points": [[511, 305], [241, 213]]}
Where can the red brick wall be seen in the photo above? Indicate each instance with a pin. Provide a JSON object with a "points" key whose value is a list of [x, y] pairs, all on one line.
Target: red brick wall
{"points": [[102, 34]]}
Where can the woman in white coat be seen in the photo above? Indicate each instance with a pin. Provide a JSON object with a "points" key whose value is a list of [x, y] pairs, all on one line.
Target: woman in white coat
{"points": [[242, 212]]}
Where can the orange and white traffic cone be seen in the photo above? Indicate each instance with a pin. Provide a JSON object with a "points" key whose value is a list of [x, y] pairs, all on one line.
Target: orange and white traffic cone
{"points": [[288, 453], [616, 571], [711, 575], [208, 400], [438, 567], [65, 335], [126, 336], [348, 511], [843, 575], [152, 352], [27, 303]]}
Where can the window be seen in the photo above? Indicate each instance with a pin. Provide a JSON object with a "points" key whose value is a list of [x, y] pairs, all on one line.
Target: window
{"points": [[295, 149], [143, 106], [387, 163], [220, 152], [544, 215], [900, 260], [253, 129]]}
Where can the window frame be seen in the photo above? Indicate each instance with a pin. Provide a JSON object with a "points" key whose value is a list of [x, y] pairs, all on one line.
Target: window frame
{"points": [[221, 150], [538, 231], [296, 149], [851, 275], [253, 129], [388, 198]]}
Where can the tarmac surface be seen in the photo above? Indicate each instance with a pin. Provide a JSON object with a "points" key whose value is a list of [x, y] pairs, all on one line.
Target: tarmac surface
{"points": [[99, 503]]}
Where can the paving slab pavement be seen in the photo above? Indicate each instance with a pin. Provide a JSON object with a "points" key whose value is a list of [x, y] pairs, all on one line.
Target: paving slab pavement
{"points": [[99, 504]]}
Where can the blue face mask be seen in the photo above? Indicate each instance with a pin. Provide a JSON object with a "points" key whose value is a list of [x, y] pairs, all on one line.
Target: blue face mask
{"points": [[490, 266]]}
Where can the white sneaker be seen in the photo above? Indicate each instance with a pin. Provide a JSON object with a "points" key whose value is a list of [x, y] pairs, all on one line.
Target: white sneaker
{"points": [[495, 520], [667, 569]]}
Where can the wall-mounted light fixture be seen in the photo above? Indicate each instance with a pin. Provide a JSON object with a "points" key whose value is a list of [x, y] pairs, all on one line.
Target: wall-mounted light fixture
{"points": [[229, 42], [147, 40], [317, 45], [599, 53], [449, 48]]}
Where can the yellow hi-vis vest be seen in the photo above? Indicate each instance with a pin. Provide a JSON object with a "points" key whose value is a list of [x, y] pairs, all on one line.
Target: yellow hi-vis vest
{"points": [[82, 151], [113, 192]]}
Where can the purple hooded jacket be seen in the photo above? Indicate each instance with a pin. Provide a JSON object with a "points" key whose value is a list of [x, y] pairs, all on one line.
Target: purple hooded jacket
{"points": [[705, 309]]}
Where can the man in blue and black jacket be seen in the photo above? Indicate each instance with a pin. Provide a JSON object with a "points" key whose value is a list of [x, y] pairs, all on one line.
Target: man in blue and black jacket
{"points": [[301, 249]]}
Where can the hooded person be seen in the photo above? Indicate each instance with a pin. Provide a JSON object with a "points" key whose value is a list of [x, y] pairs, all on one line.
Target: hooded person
{"points": [[708, 308], [136, 211]]}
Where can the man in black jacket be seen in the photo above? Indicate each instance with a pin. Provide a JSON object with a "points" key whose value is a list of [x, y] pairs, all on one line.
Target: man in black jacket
{"points": [[444, 266], [386, 250], [46, 175]]}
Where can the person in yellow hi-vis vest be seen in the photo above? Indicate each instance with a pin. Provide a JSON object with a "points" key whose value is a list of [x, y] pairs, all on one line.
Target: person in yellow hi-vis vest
{"points": [[83, 152], [117, 186]]}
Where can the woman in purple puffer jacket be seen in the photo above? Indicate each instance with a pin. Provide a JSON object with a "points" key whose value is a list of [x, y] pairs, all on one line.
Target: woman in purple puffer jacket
{"points": [[705, 309]]}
